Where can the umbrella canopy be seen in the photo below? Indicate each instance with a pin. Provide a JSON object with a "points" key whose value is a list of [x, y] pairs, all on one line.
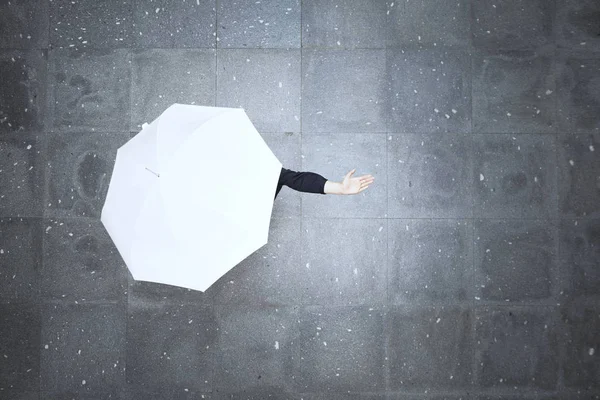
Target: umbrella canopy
{"points": [[191, 196]]}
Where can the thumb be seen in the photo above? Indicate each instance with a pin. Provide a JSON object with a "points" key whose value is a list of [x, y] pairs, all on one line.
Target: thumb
{"points": [[350, 173]]}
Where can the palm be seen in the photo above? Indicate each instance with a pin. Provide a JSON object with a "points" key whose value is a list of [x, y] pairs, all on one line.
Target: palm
{"points": [[357, 184]]}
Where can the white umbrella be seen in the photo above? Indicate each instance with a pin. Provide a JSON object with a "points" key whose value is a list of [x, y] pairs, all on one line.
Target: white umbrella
{"points": [[191, 196]]}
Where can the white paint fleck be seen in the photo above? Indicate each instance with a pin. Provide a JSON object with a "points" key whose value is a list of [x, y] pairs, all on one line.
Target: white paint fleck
{"points": [[571, 162], [591, 351], [591, 147], [29, 147], [438, 320], [308, 265], [548, 92], [481, 177], [276, 345]]}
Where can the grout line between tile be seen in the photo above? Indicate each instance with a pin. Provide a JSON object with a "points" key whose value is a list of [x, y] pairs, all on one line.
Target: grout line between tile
{"points": [[216, 48], [301, 141], [473, 279]]}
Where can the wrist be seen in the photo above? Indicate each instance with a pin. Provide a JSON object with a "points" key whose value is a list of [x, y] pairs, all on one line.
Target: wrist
{"points": [[333, 188]]}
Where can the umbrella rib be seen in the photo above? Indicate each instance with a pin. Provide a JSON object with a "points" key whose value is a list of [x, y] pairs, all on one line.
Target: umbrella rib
{"points": [[158, 175]]}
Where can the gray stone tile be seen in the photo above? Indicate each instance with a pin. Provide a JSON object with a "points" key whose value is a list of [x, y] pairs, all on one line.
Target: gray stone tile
{"points": [[258, 24], [579, 249], [428, 23], [515, 176], [271, 275], [346, 24], [82, 348], [78, 172], [365, 153], [81, 262], [20, 259], [165, 24], [287, 148], [24, 25], [428, 90], [579, 175], [161, 77], [170, 346], [516, 261], [344, 91], [516, 349], [89, 23], [513, 24], [254, 347], [429, 348], [578, 92], [23, 90], [577, 24], [430, 176], [20, 349], [514, 92], [81, 98], [343, 261], [580, 344], [265, 83], [338, 349], [21, 176], [430, 261]]}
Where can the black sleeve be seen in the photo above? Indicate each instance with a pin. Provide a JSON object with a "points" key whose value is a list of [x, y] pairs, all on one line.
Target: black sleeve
{"points": [[309, 182]]}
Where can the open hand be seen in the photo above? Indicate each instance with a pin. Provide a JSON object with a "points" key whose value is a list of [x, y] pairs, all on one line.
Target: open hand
{"points": [[357, 184]]}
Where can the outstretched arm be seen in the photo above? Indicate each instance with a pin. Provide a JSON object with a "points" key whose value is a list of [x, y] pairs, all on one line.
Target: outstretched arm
{"points": [[349, 185], [311, 182]]}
